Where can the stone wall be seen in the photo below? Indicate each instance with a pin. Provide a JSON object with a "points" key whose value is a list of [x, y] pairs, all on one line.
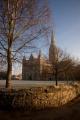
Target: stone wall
{"points": [[40, 97]]}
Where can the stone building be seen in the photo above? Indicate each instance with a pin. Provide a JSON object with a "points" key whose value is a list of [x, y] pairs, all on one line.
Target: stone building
{"points": [[39, 68]]}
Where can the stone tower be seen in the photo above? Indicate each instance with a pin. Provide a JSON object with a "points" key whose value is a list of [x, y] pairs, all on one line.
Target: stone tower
{"points": [[52, 49]]}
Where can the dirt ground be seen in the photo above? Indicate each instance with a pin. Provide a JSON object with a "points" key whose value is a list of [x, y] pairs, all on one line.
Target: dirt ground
{"points": [[70, 111]]}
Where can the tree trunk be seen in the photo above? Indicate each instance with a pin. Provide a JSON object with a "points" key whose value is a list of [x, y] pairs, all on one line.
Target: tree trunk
{"points": [[9, 68]]}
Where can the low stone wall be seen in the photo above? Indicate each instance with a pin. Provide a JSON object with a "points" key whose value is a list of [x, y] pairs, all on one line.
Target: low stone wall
{"points": [[40, 97]]}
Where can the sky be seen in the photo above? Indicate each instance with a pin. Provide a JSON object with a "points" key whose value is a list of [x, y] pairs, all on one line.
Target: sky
{"points": [[66, 24]]}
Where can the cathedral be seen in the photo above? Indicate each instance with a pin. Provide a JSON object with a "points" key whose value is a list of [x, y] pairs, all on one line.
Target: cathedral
{"points": [[39, 68]]}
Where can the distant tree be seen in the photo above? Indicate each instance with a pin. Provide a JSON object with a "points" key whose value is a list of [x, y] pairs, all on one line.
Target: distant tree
{"points": [[21, 22], [68, 69], [3, 75], [77, 72], [62, 65], [2, 63]]}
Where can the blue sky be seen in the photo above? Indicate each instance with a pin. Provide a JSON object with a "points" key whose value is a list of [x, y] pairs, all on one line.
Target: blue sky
{"points": [[66, 22]]}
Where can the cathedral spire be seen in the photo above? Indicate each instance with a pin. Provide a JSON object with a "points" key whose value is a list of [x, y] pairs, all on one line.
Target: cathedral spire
{"points": [[24, 58], [39, 56], [31, 57], [52, 49], [52, 39]]}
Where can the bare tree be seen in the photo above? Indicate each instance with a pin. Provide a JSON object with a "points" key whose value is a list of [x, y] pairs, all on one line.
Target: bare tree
{"points": [[21, 22], [63, 64], [77, 71]]}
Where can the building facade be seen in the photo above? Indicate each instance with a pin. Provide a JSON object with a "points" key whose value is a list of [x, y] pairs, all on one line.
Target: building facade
{"points": [[39, 68]]}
